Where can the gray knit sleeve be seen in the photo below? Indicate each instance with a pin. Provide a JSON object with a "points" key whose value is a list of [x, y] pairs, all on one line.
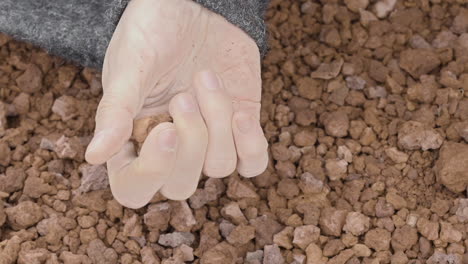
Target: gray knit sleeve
{"points": [[80, 30]]}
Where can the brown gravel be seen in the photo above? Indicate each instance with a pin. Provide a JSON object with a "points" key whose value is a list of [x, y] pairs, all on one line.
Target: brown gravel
{"points": [[365, 106]]}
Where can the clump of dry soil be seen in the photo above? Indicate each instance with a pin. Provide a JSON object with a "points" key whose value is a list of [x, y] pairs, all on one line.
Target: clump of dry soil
{"points": [[365, 106]]}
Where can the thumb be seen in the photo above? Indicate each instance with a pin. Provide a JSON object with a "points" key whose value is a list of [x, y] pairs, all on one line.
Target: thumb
{"points": [[114, 125]]}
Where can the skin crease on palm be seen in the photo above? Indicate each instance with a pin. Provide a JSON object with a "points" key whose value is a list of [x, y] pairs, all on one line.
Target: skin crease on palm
{"points": [[176, 56]]}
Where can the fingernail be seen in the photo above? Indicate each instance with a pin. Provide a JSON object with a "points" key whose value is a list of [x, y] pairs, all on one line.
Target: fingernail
{"points": [[167, 140], [244, 122], [186, 103], [209, 80]]}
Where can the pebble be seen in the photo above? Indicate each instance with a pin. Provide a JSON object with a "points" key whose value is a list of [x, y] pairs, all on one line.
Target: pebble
{"points": [[414, 135], [305, 235], [378, 239], [452, 166], [24, 215], [93, 178], [31, 80], [332, 221], [336, 124], [255, 257], [241, 235], [272, 255], [66, 107], [176, 239], [356, 223]]}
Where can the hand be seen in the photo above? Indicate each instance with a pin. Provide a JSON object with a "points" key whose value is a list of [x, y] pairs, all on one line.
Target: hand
{"points": [[176, 56]]}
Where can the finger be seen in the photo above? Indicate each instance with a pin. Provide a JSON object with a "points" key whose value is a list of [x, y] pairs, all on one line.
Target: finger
{"points": [[250, 142], [193, 141], [216, 108], [114, 124], [134, 181]]}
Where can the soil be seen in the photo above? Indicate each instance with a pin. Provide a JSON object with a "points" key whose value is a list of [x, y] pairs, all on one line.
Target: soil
{"points": [[365, 107]]}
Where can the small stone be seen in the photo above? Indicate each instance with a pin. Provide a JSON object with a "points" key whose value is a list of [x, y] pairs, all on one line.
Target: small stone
{"points": [[284, 237], [12, 180], [399, 257], [378, 239], [328, 71], [356, 223], [35, 187], [310, 184], [404, 238], [265, 228], [460, 22], [336, 124], [361, 250], [239, 190], [309, 88], [441, 258], [47, 143], [396, 200], [366, 17], [93, 178], [24, 215], [428, 229], [414, 135], [396, 156], [69, 148], [332, 221], [226, 228], [148, 256], [99, 253], [418, 42], [418, 61], [452, 166], [336, 169], [241, 235], [31, 80], [176, 239], [255, 257], [233, 213], [66, 107], [444, 39], [462, 210], [70, 258], [184, 253], [272, 255], [314, 255], [375, 92], [304, 235], [182, 218], [384, 7], [5, 154], [343, 257], [21, 103], [356, 5], [220, 253], [39, 255], [448, 233], [344, 153], [383, 209], [305, 138], [462, 129], [132, 226], [333, 247], [51, 229]]}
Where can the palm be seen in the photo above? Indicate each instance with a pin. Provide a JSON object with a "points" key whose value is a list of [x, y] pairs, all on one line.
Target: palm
{"points": [[166, 55]]}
